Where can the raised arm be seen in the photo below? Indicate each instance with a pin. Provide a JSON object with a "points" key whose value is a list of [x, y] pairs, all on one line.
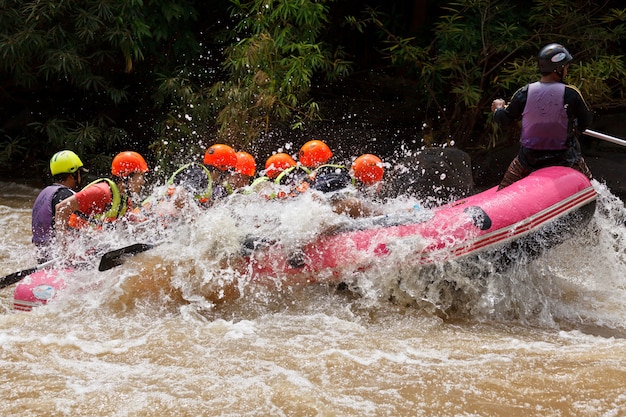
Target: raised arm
{"points": [[507, 114]]}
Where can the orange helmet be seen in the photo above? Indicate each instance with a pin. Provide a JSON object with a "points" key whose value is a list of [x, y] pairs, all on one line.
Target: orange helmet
{"points": [[222, 157], [277, 163], [368, 169], [127, 163], [314, 153], [246, 164]]}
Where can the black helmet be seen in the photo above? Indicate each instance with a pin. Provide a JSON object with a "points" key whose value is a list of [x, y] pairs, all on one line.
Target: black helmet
{"points": [[328, 179], [553, 57]]}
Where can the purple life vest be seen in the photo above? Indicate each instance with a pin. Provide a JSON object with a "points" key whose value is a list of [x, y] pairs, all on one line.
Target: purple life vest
{"points": [[544, 120], [43, 214]]}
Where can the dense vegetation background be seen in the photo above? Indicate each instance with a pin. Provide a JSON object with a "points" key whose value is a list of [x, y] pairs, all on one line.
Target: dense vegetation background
{"points": [[170, 77]]}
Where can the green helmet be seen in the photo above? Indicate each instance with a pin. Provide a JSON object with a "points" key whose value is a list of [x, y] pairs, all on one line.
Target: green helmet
{"points": [[65, 162]]}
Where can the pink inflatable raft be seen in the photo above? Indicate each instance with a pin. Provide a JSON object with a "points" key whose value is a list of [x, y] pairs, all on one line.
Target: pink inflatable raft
{"points": [[545, 207], [37, 289]]}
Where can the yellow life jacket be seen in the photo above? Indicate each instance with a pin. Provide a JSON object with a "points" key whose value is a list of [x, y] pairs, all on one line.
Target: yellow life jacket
{"points": [[119, 205]]}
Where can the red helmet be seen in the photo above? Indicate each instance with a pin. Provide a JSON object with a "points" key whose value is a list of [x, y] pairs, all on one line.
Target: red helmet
{"points": [[368, 169], [246, 165], [314, 153], [127, 163], [220, 156], [277, 163]]}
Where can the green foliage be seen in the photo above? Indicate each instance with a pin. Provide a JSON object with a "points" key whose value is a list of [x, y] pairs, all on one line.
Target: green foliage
{"points": [[81, 137], [271, 66], [104, 75], [171, 76], [12, 146], [68, 70], [484, 49]]}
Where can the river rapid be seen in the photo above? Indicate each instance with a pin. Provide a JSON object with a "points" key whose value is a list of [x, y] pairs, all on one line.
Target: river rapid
{"points": [[178, 330]]}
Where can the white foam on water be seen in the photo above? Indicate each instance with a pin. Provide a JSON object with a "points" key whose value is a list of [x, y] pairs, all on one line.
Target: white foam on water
{"points": [[201, 257], [162, 334]]}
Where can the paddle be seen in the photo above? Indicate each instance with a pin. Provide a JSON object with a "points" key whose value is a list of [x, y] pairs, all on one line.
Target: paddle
{"points": [[605, 137], [109, 260], [116, 257], [18, 276]]}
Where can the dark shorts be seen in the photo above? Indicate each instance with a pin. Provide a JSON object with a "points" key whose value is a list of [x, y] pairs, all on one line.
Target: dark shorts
{"points": [[535, 159], [529, 160]]}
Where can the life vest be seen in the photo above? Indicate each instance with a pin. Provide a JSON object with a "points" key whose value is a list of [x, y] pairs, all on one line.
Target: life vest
{"points": [[119, 205], [544, 119], [229, 188], [202, 197], [222, 190], [262, 185], [297, 178], [256, 184], [292, 175], [43, 214]]}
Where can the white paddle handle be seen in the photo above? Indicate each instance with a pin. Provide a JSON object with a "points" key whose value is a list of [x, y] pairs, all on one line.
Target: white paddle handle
{"points": [[607, 138]]}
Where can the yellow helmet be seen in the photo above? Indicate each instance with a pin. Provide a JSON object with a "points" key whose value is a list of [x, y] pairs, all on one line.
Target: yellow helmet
{"points": [[65, 162]]}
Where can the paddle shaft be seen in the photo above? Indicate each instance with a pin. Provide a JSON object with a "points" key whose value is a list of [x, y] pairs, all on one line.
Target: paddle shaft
{"points": [[108, 261], [19, 275], [605, 137]]}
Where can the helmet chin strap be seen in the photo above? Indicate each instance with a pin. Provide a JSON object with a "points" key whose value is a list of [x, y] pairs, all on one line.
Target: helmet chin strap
{"points": [[559, 72]]}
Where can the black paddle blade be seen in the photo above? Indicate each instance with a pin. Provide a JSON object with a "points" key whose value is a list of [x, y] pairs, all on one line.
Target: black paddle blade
{"points": [[114, 258], [16, 277]]}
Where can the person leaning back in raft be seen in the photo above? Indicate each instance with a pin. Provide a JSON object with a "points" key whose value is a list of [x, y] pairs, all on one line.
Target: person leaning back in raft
{"points": [[351, 191], [103, 201], [344, 187]]}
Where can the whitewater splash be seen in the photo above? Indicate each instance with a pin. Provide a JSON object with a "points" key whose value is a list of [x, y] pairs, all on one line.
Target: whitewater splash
{"points": [[198, 264], [579, 282]]}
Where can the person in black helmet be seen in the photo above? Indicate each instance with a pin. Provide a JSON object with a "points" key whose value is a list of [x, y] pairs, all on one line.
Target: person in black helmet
{"points": [[553, 115]]}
